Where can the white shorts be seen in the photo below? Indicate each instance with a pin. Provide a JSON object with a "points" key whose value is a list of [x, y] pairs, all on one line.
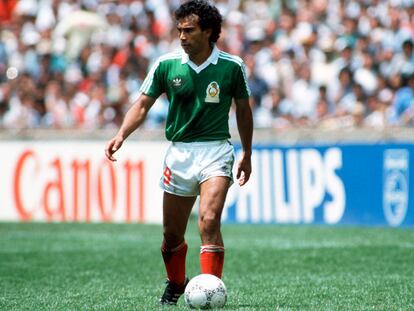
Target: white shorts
{"points": [[187, 165]]}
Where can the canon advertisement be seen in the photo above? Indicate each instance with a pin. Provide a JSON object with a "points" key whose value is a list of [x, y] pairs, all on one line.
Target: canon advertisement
{"points": [[73, 181], [358, 184]]}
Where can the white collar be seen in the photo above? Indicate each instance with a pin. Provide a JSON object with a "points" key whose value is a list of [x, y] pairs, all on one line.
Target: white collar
{"points": [[212, 59]]}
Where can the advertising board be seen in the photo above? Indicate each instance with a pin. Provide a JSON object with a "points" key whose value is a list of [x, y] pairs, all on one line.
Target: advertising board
{"points": [[357, 184], [367, 184]]}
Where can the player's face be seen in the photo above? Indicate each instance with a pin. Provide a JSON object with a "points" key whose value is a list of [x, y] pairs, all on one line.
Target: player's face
{"points": [[193, 40]]}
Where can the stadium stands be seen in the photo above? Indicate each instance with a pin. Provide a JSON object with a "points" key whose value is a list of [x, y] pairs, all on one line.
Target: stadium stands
{"points": [[78, 64]]}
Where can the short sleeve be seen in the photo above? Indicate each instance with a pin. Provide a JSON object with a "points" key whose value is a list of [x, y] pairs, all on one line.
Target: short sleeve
{"points": [[153, 83], [240, 87]]}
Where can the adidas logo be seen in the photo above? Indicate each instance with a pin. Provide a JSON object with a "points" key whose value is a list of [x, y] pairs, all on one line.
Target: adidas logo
{"points": [[177, 82]]}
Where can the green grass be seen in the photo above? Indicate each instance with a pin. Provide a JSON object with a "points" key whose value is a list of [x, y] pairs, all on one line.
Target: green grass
{"points": [[119, 267]]}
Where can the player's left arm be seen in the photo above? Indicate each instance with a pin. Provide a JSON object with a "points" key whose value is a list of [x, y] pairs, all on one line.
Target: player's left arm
{"points": [[244, 120]]}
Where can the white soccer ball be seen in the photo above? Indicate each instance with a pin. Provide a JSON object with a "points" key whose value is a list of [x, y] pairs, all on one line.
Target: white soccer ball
{"points": [[205, 291]]}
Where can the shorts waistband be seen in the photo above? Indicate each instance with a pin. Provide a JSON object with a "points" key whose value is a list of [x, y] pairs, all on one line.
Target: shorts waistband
{"points": [[201, 143]]}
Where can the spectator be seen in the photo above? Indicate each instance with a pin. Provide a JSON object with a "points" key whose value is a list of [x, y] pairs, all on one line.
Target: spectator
{"points": [[304, 95], [258, 85], [378, 108], [403, 62], [341, 88], [402, 106]]}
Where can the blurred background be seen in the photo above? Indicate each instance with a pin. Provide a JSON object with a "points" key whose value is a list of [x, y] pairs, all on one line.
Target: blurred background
{"points": [[78, 64], [332, 95]]}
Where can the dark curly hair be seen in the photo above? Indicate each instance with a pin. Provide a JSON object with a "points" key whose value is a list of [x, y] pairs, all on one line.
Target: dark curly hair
{"points": [[209, 16]]}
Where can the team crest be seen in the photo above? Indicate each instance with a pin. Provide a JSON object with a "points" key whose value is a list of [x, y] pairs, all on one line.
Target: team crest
{"points": [[212, 93]]}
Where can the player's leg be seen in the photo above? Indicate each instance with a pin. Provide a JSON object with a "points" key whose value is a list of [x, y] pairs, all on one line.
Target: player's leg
{"points": [[213, 193], [176, 211]]}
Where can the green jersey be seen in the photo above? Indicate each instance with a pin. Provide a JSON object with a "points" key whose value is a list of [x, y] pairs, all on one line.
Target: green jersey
{"points": [[199, 96]]}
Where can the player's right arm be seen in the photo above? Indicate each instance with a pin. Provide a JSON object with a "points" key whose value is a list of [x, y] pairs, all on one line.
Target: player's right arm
{"points": [[133, 119], [151, 89]]}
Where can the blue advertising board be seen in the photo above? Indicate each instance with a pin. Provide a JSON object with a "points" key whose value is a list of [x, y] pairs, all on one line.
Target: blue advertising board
{"points": [[357, 184]]}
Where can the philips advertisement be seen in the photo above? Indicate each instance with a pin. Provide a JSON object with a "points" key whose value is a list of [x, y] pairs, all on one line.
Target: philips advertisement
{"points": [[356, 184]]}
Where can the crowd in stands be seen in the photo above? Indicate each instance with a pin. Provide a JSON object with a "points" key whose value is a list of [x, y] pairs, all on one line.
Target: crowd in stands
{"points": [[332, 64]]}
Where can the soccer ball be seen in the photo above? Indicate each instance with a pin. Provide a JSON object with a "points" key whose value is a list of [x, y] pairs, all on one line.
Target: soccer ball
{"points": [[205, 291]]}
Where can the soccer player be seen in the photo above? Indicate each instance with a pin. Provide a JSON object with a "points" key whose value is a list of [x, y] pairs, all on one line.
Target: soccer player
{"points": [[200, 82]]}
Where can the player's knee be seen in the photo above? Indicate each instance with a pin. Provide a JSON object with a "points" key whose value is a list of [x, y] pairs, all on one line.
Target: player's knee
{"points": [[209, 223], [172, 239]]}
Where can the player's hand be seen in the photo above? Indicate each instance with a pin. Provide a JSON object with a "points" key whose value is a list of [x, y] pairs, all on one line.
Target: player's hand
{"points": [[112, 146], [244, 169]]}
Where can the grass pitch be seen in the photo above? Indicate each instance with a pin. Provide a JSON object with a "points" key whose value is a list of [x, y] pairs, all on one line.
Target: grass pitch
{"points": [[119, 267]]}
